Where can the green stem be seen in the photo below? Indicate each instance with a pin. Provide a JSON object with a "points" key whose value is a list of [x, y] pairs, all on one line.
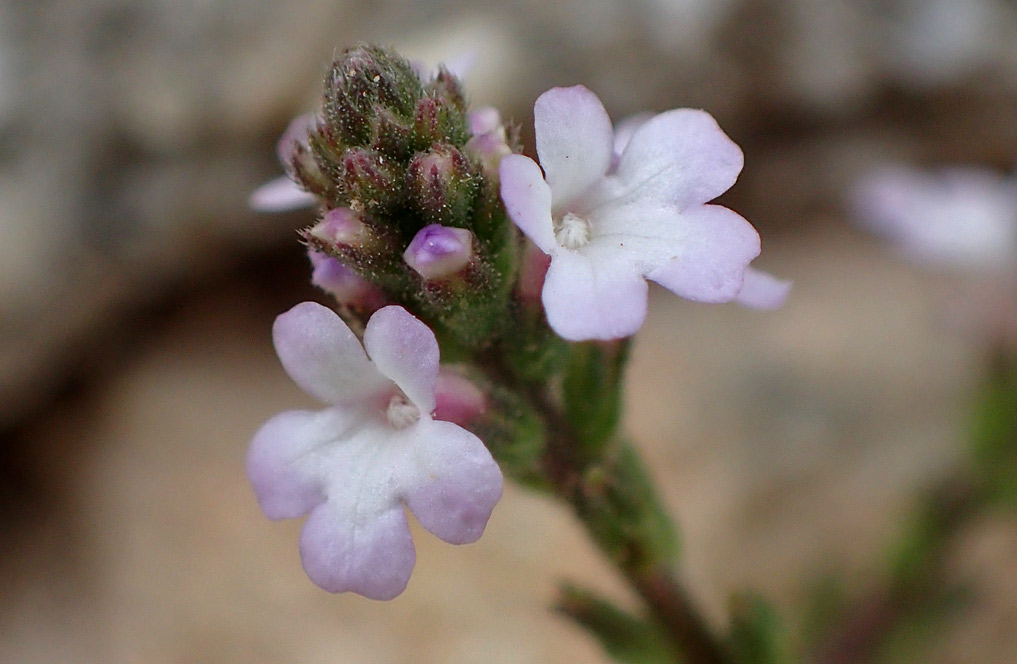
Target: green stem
{"points": [[675, 611], [616, 500]]}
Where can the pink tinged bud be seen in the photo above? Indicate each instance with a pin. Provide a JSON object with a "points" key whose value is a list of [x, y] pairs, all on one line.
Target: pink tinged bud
{"points": [[489, 149], [348, 287], [342, 226], [295, 137], [442, 186], [457, 399], [484, 120], [368, 177], [437, 251], [533, 273], [440, 119]]}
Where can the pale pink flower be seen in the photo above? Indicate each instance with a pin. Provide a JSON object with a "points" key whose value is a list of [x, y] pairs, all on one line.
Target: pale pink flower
{"points": [[760, 290], [357, 465], [959, 217], [610, 227]]}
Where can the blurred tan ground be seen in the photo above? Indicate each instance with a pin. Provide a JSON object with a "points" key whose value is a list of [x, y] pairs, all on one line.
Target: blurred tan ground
{"points": [[786, 443]]}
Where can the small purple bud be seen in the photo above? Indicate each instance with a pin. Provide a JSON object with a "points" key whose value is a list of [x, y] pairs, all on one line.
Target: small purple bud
{"points": [[489, 142], [348, 287], [438, 252], [342, 226], [442, 185]]}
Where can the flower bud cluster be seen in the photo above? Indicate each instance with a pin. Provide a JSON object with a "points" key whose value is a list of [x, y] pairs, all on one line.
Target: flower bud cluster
{"points": [[407, 179]]}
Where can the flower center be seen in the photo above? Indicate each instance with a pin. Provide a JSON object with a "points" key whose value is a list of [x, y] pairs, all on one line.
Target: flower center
{"points": [[572, 231], [401, 413]]}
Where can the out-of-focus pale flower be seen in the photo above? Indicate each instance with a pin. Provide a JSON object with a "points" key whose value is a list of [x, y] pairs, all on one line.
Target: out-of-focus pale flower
{"points": [[357, 465], [608, 227], [959, 217], [283, 194]]}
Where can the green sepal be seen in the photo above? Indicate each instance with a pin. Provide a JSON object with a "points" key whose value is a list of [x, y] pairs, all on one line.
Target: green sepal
{"points": [[591, 391], [620, 506], [364, 80], [442, 186], [757, 633], [438, 119], [994, 432], [627, 638], [514, 433]]}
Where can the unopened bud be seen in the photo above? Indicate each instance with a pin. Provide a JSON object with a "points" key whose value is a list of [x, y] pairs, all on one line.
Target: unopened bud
{"points": [[294, 152], [489, 142], [439, 120], [393, 136], [362, 82], [446, 85], [532, 273], [369, 178], [457, 399], [342, 226], [348, 287], [439, 252], [442, 186]]}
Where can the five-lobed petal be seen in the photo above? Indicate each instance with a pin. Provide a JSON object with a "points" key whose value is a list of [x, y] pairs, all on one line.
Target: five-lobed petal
{"points": [[357, 465], [615, 210]]}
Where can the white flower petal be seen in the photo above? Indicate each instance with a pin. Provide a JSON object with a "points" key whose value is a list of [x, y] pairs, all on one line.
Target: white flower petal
{"points": [[574, 140], [366, 551], [681, 157], [404, 350], [623, 133], [451, 481], [280, 195], [596, 296], [323, 356], [717, 245], [287, 455], [527, 199], [763, 291]]}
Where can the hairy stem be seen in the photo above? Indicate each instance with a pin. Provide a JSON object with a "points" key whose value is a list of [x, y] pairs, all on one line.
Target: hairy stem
{"points": [[614, 497]]}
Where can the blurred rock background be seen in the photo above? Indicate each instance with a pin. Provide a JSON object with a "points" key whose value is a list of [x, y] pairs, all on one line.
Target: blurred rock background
{"points": [[137, 292]]}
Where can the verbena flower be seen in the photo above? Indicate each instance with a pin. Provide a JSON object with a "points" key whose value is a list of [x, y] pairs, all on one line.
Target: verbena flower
{"points": [[760, 290], [356, 465], [958, 217], [608, 227]]}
